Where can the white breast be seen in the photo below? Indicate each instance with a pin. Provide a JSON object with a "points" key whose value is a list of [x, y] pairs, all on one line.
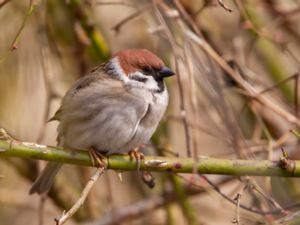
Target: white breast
{"points": [[146, 126]]}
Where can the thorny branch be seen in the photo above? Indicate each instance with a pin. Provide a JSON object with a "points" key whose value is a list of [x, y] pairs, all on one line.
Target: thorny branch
{"points": [[204, 165]]}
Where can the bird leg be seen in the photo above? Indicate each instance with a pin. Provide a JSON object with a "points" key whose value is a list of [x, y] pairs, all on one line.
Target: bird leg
{"points": [[96, 156], [138, 156], [147, 177]]}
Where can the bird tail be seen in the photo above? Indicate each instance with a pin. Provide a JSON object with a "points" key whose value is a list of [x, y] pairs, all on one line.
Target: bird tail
{"points": [[44, 181]]}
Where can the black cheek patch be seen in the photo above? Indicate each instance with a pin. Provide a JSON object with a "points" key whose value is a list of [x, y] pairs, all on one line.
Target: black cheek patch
{"points": [[161, 85], [139, 79]]}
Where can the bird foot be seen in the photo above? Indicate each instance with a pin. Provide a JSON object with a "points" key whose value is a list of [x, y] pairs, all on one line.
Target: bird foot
{"points": [[97, 158], [138, 156]]}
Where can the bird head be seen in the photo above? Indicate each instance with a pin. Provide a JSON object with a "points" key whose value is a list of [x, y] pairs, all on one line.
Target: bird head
{"points": [[141, 66]]}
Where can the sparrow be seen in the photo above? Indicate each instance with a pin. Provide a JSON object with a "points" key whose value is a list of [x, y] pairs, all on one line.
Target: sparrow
{"points": [[113, 109]]}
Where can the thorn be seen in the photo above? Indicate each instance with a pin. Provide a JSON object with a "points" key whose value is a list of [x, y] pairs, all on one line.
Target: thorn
{"points": [[284, 153], [14, 47], [120, 175], [148, 179], [286, 163], [156, 163]]}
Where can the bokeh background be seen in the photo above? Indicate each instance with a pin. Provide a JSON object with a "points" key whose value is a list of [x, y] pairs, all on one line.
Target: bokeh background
{"points": [[235, 95]]}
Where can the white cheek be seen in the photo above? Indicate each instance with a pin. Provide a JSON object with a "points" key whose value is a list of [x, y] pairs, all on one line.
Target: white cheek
{"points": [[162, 98], [151, 83], [117, 70]]}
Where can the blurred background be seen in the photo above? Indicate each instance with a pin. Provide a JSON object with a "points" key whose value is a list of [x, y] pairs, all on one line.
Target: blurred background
{"points": [[235, 95]]}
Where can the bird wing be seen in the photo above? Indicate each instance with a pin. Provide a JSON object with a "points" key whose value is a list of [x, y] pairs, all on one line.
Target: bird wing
{"points": [[79, 85], [108, 117]]}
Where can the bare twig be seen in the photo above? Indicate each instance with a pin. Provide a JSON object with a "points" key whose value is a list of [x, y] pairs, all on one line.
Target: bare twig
{"points": [[119, 25], [207, 130], [80, 201], [253, 92], [187, 17], [124, 3], [291, 218], [179, 79], [217, 189], [222, 4], [3, 3], [133, 211], [140, 208], [266, 196], [295, 76], [15, 41], [102, 2], [238, 198]]}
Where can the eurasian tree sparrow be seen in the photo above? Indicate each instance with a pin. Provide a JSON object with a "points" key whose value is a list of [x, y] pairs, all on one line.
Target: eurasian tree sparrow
{"points": [[115, 108]]}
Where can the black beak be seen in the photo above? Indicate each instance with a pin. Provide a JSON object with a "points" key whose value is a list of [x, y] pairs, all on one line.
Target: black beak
{"points": [[165, 72]]}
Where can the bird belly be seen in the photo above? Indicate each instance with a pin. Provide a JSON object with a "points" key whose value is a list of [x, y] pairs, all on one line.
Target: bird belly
{"points": [[110, 125], [147, 125], [105, 132]]}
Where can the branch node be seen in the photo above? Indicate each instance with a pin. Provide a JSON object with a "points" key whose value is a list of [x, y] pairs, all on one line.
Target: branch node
{"points": [[286, 163], [4, 135], [156, 163], [148, 179]]}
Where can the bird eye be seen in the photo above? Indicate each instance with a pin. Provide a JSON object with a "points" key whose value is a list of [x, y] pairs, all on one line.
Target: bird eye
{"points": [[147, 70]]}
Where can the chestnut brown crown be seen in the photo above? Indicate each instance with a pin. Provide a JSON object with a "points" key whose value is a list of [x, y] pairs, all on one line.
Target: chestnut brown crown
{"points": [[142, 60]]}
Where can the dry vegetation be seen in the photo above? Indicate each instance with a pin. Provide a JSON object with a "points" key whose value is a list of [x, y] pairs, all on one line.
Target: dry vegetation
{"points": [[235, 95]]}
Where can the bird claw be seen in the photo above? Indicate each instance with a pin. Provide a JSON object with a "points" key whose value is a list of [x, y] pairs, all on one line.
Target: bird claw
{"points": [[138, 156], [96, 156]]}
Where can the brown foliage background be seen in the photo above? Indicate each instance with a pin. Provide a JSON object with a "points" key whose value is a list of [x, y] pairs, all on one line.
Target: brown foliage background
{"points": [[235, 96]]}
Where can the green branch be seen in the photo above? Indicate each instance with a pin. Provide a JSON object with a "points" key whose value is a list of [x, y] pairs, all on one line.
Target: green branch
{"points": [[205, 165]]}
